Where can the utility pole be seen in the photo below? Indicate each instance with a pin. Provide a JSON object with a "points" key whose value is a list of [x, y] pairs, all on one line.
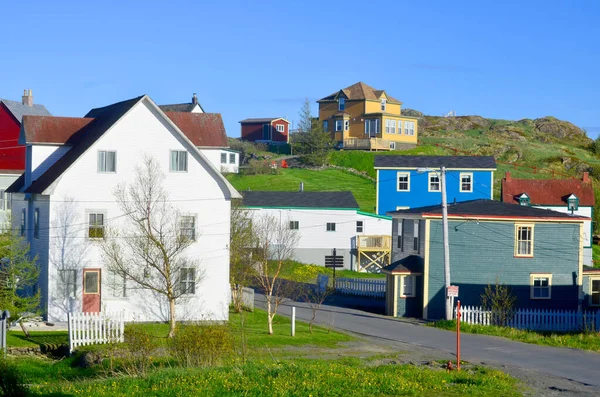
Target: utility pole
{"points": [[446, 245]]}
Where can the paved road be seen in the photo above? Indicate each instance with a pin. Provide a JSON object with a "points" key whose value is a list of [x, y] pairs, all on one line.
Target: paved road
{"points": [[573, 364]]}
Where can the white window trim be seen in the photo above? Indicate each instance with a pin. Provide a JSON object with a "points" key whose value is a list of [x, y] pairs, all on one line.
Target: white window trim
{"points": [[398, 183], [460, 176], [187, 281], [98, 161], [532, 277], [393, 145], [434, 175], [384, 105], [593, 278], [339, 123], [414, 286], [346, 125], [232, 156], [195, 237], [87, 231], [223, 154], [187, 163], [399, 126], [280, 128], [516, 240]]}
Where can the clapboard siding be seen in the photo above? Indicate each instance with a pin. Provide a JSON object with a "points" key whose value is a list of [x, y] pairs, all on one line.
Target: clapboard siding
{"points": [[482, 253]]}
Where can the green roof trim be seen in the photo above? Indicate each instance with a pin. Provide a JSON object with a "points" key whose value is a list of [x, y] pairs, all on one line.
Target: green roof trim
{"points": [[304, 208], [389, 218]]}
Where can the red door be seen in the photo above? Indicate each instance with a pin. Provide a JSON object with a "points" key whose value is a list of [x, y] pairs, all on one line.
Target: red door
{"points": [[91, 290]]}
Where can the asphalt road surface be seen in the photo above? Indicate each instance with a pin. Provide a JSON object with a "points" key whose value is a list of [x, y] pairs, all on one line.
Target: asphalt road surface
{"points": [[572, 364]]}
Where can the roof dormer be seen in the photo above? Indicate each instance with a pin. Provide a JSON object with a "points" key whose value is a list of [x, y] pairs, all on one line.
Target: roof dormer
{"points": [[524, 200], [573, 203]]}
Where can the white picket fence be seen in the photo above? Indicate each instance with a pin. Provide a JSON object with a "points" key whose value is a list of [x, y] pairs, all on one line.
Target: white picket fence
{"points": [[536, 319], [361, 286], [95, 328]]}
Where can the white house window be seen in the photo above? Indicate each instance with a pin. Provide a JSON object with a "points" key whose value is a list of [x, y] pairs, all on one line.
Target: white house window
{"points": [[407, 286], [280, 128], [179, 161], [383, 105], [67, 283], [325, 125], [4, 201], [22, 222], [36, 223], [409, 128], [96, 225], [331, 226], [524, 240], [223, 158], [434, 182], [392, 145], [359, 226], [399, 127], [341, 104], [403, 182], [540, 286], [595, 291], [346, 125], [187, 227], [294, 225], [390, 126], [107, 161], [339, 124], [187, 280], [231, 158], [466, 182], [117, 284]]}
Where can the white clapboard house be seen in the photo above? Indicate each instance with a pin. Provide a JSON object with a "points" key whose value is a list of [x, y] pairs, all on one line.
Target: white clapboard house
{"points": [[67, 191], [324, 221], [206, 131]]}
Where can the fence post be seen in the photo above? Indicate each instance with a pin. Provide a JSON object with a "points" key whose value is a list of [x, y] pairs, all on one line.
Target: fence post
{"points": [[293, 320]]}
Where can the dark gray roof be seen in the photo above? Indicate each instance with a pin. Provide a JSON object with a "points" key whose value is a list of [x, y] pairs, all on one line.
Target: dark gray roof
{"points": [[180, 107], [104, 118], [19, 110], [259, 120], [410, 264], [466, 162], [487, 208], [299, 199]]}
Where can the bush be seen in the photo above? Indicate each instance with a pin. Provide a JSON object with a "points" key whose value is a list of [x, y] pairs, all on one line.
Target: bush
{"points": [[260, 167], [139, 345], [201, 345], [11, 381], [500, 301]]}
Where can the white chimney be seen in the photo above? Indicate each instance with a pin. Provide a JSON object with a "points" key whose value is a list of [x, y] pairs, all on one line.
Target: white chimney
{"points": [[27, 98], [194, 99]]}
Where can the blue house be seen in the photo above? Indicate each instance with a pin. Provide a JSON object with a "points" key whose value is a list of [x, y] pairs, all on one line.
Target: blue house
{"points": [[537, 253], [405, 182]]}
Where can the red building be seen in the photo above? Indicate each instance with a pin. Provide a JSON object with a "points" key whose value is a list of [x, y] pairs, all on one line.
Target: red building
{"points": [[12, 154], [269, 130]]}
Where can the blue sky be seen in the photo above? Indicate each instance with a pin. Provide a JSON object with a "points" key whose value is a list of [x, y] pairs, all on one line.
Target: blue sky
{"points": [[502, 59]]}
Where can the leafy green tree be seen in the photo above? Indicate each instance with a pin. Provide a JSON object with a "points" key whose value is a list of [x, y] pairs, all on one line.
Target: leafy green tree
{"points": [[310, 140], [18, 275]]}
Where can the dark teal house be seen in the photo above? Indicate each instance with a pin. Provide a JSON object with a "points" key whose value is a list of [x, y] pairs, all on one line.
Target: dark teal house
{"points": [[538, 253]]}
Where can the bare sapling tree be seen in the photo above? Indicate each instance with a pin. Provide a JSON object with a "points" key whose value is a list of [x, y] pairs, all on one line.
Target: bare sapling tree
{"points": [[149, 248], [241, 271], [314, 296], [274, 244]]}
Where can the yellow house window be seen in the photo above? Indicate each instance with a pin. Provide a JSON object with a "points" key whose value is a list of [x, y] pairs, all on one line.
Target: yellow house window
{"points": [[399, 127], [383, 104], [523, 240], [390, 126]]}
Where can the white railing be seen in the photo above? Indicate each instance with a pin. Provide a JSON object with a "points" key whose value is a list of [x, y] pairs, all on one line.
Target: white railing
{"points": [[95, 328], [361, 286], [536, 319]]}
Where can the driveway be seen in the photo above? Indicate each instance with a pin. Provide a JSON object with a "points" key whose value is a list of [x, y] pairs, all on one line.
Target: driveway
{"points": [[572, 364]]}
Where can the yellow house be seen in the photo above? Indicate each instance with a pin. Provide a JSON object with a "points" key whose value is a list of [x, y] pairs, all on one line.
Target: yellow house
{"points": [[361, 117]]}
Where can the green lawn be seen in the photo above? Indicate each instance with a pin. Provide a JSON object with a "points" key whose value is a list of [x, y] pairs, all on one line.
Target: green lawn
{"points": [[325, 180], [350, 377], [596, 255], [305, 273], [576, 340], [18, 339]]}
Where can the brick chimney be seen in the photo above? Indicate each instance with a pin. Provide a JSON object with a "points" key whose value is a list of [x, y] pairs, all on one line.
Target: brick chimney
{"points": [[586, 177], [194, 99], [507, 175], [27, 98]]}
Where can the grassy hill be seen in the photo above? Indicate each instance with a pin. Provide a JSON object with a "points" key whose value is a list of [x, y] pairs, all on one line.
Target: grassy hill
{"points": [[321, 180]]}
